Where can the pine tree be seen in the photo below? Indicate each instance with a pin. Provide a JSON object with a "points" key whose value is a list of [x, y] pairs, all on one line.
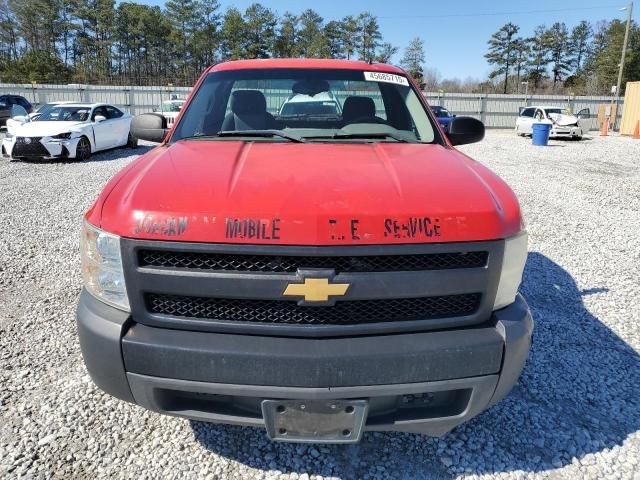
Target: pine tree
{"points": [[260, 25], [350, 42], [310, 37], [286, 44], [520, 58], [413, 59], [502, 51], [370, 36], [539, 55], [386, 52], [233, 36], [579, 44], [559, 51]]}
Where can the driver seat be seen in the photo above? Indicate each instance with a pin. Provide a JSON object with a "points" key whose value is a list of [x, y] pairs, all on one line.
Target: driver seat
{"points": [[248, 112]]}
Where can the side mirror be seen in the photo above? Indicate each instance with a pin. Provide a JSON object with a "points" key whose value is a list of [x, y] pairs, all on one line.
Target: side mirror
{"points": [[99, 118], [463, 130], [149, 126]]}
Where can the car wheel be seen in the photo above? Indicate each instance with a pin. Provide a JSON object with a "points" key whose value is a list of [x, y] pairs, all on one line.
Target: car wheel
{"points": [[83, 149], [132, 142]]}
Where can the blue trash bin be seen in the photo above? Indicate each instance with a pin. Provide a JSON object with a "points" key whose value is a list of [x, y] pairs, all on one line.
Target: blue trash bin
{"points": [[540, 134]]}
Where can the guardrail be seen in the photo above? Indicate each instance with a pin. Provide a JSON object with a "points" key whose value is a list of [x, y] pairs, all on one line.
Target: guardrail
{"points": [[495, 110]]}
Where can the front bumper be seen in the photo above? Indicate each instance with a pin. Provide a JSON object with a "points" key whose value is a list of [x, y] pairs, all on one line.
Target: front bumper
{"points": [[570, 131], [224, 378], [45, 147]]}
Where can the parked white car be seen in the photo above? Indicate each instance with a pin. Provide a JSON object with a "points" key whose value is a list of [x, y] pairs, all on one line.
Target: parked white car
{"points": [[68, 131], [564, 123]]}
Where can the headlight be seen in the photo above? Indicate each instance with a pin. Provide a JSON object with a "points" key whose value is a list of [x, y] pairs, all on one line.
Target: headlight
{"points": [[515, 257], [63, 136], [102, 266], [8, 135]]}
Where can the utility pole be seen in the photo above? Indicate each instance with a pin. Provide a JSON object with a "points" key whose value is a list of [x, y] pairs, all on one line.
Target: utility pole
{"points": [[629, 9]]}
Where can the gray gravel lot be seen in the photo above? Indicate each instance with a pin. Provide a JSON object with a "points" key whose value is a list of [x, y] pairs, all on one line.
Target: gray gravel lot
{"points": [[574, 414]]}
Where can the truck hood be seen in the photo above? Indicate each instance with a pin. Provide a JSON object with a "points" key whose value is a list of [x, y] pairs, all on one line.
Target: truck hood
{"points": [[43, 129], [307, 194]]}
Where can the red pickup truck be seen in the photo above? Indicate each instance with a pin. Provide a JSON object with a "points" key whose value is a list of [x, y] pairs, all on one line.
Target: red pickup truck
{"points": [[319, 273]]}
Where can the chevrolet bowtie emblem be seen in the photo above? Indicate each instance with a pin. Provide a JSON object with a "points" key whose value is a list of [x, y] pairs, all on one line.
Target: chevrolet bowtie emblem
{"points": [[316, 289]]}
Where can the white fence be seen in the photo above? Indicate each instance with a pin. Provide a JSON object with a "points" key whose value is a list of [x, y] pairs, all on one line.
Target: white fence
{"points": [[495, 110], [133, 99], [501, 111]]}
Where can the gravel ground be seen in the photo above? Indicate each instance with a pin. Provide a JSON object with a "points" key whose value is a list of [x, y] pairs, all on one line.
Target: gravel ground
{"points": [[574, 414]]}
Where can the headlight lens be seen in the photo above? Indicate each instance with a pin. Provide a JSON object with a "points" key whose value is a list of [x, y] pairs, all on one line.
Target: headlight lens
{"points": [[63, 136], [102, 266], [515, 257]]}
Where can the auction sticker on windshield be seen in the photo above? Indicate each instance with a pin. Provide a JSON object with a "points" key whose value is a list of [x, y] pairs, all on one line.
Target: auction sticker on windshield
{"points": [[386, 78]]}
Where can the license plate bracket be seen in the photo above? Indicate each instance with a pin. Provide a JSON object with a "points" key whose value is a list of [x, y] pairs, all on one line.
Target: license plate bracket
{"points": [[315, 421]]}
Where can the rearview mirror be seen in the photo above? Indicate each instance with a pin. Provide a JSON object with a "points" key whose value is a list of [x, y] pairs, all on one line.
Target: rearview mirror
{"points": [[99, 118], [149, 126], [463, 130]]}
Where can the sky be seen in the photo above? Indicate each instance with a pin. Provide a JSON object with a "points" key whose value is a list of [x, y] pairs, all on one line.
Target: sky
{"points": [[455, 32]]}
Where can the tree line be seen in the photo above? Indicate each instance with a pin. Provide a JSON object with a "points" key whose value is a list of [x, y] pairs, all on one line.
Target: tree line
{"points": [[97, 41], [583, 60]]}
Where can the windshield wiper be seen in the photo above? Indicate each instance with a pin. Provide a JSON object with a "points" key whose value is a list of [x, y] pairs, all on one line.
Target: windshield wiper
{"points": [[363, 136], [260, 133]]}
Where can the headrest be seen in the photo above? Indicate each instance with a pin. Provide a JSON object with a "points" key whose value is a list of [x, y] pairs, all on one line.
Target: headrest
{"points": [[358, 107], [248, 101]]}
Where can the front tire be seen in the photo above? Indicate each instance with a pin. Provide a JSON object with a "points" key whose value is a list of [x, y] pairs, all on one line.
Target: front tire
{"points": [[83, 149], [132, 142]]}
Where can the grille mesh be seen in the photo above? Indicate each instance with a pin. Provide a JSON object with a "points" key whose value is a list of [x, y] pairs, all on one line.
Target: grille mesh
{"points": [[287, 312], [290, 264], [32, 149]]}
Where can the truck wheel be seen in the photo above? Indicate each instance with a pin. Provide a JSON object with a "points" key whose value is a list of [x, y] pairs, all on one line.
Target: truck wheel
{"points": [[83, 149]]}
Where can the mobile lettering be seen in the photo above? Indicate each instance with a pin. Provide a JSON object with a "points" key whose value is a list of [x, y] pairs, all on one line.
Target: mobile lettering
{"points": [[252, 229]]}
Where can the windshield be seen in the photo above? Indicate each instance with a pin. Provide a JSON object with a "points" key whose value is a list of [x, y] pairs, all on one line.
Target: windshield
{"points": [[558, 111], [441, 112], [309, 108], [169, 107], [338, 106], [65, 114]]}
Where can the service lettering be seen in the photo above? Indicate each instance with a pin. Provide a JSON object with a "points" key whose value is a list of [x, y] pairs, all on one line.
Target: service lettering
{"points": [[414, 227]]}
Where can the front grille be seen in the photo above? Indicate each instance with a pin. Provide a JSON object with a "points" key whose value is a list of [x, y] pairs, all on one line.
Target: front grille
{"points": [[287, 312], [32, 149], [290, 264]]}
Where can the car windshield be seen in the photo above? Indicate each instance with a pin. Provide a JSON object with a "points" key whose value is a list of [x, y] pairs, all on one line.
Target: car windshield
{"points": [[441, 113], [558, 111], [169, 107], [65, 114], [46, 107], [339, 105], [309, 108]]}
